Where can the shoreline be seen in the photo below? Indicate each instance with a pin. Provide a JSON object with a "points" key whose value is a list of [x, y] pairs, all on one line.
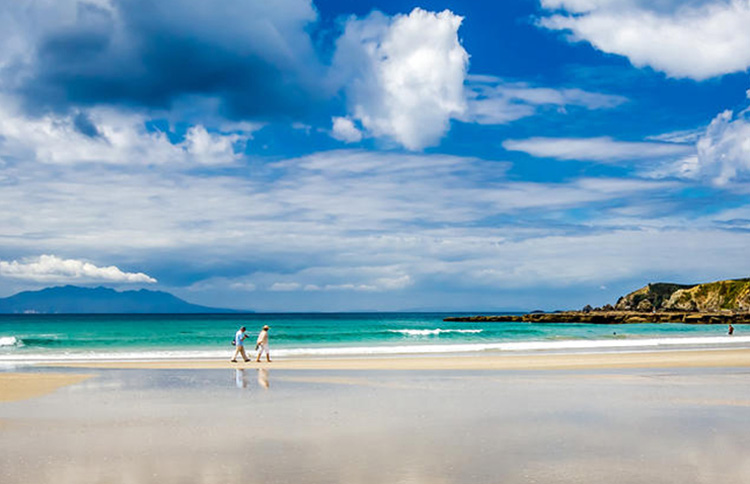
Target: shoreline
{"points": [[546, 361], [465, 349]]}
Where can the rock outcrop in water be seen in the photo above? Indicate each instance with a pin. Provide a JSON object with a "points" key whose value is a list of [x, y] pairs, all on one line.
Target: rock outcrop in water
{"points": [[612, 317], [718, 302]]}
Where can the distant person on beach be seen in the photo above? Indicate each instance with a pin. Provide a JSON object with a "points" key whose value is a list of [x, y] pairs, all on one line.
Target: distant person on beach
{"points": [[239, 343], [262, 344], [731, 330]]}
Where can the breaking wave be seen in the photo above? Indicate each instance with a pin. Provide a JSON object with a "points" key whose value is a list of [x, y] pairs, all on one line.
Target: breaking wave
{"points": [[10, 341], [433, 332]]}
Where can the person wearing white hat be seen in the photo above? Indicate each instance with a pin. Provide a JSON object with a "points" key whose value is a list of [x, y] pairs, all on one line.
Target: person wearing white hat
{"points": [[262, 344]]}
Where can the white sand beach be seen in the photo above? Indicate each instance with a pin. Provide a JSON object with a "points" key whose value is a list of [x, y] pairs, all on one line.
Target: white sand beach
{"points": [[679, 416]]}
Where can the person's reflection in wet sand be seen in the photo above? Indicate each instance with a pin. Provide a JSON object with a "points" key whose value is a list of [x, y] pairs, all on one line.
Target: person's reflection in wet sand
{"points": [[239, 378], [263, 377]]}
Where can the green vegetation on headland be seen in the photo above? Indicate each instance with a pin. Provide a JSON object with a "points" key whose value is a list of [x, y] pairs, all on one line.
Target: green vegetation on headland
{"points": [[733, 295], [718, 302]]}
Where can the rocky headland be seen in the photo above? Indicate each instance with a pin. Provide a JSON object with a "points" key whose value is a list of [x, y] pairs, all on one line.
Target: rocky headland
{"points": [[720, 302]]}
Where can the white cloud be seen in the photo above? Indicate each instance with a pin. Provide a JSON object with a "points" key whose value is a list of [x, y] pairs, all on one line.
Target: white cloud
{"points": [[323, 202], [406, 79], [602, 149], [109, 137], [345, 130], [206, 148], [697, 40], [353, 226], [724, 149], [494, 101], [344, 278], [718, 154], [690, 136], [50, 268], [394, 283], [404, 75], [615, 254], [240, 127], [243, 286], [722, 156], [284, 286]]}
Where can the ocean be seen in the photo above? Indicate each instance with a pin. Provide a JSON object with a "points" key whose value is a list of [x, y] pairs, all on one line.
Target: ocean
{"points": [[46, 338]]}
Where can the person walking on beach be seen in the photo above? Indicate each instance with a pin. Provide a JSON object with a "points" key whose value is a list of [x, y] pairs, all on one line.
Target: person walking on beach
{"points": [[262, 344], [239, 343]]}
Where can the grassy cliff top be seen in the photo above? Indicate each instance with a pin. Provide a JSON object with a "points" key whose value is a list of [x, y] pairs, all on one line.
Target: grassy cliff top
{"points": [[732, 295]]}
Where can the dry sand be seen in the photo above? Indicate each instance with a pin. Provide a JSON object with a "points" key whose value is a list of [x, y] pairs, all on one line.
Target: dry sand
{"points": [[663, 359], [21, 386]]}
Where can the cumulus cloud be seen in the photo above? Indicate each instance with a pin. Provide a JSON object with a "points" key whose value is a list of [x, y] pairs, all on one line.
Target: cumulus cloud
{"points": [[256, 58], [211, 148], [345, 130], [723, 151], [108, 136], [404, 75], [697, 39], [601, 149], [50, 268], [406, 78]]}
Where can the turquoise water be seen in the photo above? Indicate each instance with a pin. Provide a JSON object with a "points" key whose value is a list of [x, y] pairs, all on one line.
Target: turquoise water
{"points": [[55, 337]]}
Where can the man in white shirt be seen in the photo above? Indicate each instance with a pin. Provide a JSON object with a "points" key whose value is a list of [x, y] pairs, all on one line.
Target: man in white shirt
{"points": [[239, 343], [262, 344]]}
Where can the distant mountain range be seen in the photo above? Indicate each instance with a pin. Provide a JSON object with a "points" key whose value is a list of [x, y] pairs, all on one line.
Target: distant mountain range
{"points": [[99, 300]]}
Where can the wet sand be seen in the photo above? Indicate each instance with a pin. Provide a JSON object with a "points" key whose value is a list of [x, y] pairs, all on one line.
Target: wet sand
{"points": [[683, 420], [540, 361]]}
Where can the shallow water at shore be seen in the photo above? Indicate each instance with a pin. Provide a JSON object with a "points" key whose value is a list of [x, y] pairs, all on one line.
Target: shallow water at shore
{"points": [[265, 425]]}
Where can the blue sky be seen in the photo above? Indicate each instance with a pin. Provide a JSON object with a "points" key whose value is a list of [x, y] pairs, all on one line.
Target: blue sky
{"points": [[327, 156]]}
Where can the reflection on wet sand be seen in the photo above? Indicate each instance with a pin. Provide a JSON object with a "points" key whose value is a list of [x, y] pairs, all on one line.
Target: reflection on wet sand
{"points": [[181, 426], [240, 378], [263, 378]]}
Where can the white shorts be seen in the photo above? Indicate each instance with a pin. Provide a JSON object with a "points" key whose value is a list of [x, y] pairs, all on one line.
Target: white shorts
{"points": [[262, 348]]}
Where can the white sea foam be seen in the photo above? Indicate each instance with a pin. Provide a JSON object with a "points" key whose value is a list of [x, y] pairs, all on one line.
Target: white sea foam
{"points": [[575, 346], [9, 341], [433, 332]]}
